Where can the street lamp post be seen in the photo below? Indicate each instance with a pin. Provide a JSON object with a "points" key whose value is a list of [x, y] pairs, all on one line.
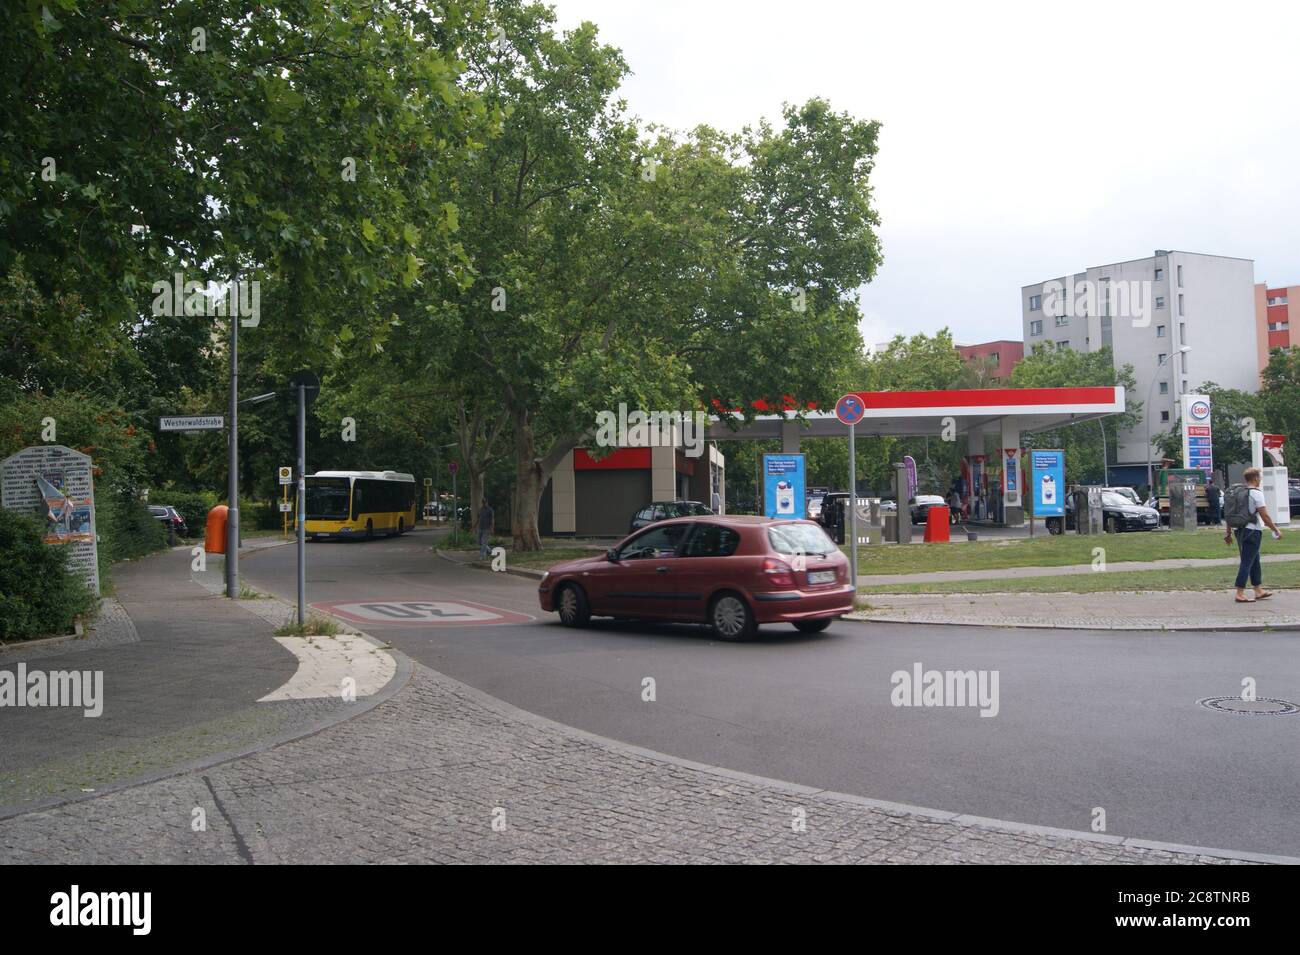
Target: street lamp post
{"points": [[232, 486], [1146, 412]]}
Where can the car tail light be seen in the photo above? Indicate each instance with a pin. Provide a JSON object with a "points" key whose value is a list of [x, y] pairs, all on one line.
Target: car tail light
{"points": [[778, 572]]}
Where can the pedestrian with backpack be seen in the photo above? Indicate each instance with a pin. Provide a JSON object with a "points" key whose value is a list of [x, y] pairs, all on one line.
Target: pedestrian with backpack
{"points": [[1246, 515]]}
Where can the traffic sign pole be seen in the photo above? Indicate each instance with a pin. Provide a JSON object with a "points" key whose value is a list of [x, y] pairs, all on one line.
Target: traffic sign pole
{"points": [[302, 503], [232, 488], [853, 510], [850, 410]]}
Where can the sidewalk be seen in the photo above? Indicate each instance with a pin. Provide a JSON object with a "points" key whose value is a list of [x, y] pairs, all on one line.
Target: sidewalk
{"points": [[184, 674], [1172, 610], [884, 580]]}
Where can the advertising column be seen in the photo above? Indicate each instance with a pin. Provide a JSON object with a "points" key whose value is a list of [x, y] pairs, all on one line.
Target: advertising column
{"points": [[783, 486], [1047, 477]]}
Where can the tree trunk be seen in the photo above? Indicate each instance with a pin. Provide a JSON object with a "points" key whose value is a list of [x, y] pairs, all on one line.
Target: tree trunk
{"points": [[530, 481]]}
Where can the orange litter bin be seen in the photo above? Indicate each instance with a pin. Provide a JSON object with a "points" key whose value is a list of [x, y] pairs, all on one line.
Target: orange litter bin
{"points": [[936, 525], [214, 534]]}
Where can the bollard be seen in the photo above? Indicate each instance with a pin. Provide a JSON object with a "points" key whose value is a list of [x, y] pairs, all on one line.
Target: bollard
{"points": [[936, 525]]}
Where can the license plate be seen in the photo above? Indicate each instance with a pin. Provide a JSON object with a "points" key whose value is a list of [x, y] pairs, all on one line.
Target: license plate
{"points": [[821, 577]]}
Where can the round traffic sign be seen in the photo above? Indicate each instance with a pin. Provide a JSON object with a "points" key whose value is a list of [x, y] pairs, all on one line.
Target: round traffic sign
{"points": [[454, 467], [310, 382], [850, 409]]}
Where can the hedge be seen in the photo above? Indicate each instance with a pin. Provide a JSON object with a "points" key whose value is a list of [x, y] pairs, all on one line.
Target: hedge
{"points": [[38, 594], [126, 528]]}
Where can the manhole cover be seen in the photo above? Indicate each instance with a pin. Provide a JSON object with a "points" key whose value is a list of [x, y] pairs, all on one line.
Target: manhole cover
{"points": [[1259, 707]]}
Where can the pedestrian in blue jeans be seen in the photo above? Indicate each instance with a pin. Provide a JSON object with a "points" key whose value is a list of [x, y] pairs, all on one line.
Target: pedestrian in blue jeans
{"points": [[1250, 537]]}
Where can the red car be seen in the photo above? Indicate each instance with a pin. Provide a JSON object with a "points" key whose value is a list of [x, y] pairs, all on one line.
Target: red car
{"points": [[732, 573]]}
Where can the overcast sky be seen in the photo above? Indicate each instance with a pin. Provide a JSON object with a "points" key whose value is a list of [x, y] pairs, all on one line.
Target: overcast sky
{"points": [[1019, 141]]}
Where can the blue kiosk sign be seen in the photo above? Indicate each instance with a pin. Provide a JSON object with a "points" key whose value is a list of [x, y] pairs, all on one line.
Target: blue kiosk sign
{"points": [[783, 486], [1047, 476]]}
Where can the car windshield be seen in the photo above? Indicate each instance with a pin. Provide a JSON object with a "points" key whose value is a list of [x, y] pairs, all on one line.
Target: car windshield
{"points": [[327, 499], [1111, 499], [799, 539]]}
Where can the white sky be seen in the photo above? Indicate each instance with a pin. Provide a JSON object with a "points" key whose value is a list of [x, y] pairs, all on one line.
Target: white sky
{"points": [[1021, 141]]}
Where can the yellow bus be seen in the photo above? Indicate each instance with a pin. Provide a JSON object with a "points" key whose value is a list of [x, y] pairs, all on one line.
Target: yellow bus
{"points": [[359, 503]]}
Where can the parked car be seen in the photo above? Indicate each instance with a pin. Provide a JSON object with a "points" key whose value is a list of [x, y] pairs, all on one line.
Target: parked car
{"points": [[814, 506], [169, 515], [1119, 513], [664, 510], [731, 573], [1294, 487], [921, 504], [1127, 492]]}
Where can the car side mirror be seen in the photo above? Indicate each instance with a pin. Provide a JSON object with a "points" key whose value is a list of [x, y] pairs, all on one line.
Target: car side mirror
{"points": [[611, 555]]}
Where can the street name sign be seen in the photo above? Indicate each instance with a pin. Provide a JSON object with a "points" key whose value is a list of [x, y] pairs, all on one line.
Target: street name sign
{"points": [[208, 422]]}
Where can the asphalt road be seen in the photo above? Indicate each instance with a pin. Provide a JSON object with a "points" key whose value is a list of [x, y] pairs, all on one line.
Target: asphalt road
{"points": [[1086, 720]]}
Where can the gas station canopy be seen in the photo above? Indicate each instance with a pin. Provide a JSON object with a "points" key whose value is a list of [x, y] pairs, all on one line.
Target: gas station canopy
{"points": [[920, 413]]}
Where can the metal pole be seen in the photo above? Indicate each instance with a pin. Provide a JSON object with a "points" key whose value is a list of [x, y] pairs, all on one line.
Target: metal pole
{"points": [[302, 503], [853, 509], [455, 506], [1105, 455], [232, 487], [1146, 413]]}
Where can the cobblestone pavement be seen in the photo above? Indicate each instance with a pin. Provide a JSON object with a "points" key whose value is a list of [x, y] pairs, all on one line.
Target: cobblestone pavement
{"points": [[1178, 610], [423, 776]]}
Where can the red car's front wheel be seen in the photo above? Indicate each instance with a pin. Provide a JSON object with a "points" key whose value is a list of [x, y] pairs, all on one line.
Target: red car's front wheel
{"points": [[730, 617]]}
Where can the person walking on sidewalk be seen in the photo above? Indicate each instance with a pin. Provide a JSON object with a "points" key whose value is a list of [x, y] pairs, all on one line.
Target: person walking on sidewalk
{"points": [[1214, 497], [1247, 515], [486, 520]]}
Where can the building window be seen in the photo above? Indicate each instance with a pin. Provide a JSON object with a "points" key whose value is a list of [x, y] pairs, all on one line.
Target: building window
{"points": [[1164, 387], [1182, 333], [1035, 302], [1162, 358], [1184, 386], [1160, 331], [1062, 321], [1164, 416], [1160, 301], [1180, 304], [1160, 275], [1064, 344], [1036, 328], [1180, 276], [995, 359]]}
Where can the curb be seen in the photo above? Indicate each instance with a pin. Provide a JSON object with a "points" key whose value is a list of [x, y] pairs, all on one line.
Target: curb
{"points": [[401, 677], [511, 711], [484, 565]]}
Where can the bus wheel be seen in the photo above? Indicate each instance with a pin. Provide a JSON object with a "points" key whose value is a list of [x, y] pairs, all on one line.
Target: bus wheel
{"points": [[370, 530]]}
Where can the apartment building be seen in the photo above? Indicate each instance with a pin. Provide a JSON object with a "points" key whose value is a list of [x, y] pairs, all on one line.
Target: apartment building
{"points": [[1273, 312], [999, 357], [1179, 318]]}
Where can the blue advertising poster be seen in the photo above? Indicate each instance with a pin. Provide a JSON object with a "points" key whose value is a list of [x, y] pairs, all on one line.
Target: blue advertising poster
{"points": [[1047, 475], [783, 486]]}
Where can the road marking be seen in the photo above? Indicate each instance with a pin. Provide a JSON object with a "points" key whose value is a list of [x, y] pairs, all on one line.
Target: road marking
{"points": [[421, 613], [325, 662]]}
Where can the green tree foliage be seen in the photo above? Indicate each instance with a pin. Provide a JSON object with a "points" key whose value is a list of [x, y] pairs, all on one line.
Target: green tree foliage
{"points": [[1280, 398]]}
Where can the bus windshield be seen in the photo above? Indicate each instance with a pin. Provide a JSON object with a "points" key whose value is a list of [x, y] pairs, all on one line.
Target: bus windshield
{"points": [[327, 499]]}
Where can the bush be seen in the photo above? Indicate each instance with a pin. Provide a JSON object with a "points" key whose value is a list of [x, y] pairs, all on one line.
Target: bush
{"points": [[126, 528], [38, 594]]}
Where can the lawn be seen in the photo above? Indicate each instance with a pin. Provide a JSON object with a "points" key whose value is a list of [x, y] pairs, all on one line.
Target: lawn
{"points": [[1058, 551], [1284, 575]]}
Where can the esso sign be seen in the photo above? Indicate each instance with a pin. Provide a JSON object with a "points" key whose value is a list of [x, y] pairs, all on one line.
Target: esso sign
{"points": [[1200, 410]]}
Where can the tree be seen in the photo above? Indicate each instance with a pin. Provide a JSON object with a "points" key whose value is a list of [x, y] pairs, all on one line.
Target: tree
{"points": [[1280, 396]]}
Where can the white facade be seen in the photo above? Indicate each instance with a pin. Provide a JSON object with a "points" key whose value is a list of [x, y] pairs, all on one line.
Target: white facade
{"points": [[1151, 307]]}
